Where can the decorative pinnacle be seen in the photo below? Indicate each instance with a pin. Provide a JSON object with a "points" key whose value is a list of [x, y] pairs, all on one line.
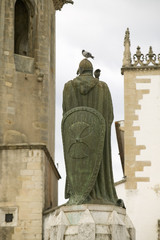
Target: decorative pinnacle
{"points": [[150, 53], [151, 57], [138, 52], [127, 37], [150, 60], [138, 58], [127, 53]]}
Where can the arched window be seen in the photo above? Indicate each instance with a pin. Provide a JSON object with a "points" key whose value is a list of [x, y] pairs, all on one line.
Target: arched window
{"points": [[23, 30]]}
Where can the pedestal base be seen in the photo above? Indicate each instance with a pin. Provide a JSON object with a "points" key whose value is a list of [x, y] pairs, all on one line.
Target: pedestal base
{"points": [[88, 222]]}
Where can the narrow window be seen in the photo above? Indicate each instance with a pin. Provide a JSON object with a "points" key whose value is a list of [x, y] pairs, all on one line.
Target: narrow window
{"points": [[8, 217], [21, 27]]}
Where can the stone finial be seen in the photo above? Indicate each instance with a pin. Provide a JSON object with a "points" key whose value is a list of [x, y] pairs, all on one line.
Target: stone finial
{"points": [[147, 61], [138, 57], [127, 37], [127, 53], [150, 57]]}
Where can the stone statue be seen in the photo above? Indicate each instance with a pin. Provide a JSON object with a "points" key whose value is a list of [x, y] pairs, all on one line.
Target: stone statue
{"points": [[86, 132]]}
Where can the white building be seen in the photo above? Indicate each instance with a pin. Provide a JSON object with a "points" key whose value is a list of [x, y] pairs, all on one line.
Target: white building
{"points": [[140, 188]]}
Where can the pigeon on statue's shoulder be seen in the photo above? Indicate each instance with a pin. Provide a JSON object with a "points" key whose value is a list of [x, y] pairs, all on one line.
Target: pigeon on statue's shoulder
{"points": [[97, 73]]}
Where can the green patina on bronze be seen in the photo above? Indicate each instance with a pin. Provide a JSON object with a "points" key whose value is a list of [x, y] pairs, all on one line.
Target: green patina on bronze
{"points": [[87, 103], [83, 131]]}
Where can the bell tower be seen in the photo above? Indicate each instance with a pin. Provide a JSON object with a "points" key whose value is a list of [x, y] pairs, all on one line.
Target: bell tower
{"points": [[27, 73], [28, 176]]}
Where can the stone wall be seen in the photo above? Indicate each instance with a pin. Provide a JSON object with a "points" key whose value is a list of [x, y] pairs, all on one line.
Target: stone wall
{"points": [[88, 222], [133, 97], [27, 84], [24, 193], [141, 190]]}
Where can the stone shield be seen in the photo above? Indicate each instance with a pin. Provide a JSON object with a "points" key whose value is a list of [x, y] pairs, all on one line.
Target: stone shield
{"points": [[83, 132]]}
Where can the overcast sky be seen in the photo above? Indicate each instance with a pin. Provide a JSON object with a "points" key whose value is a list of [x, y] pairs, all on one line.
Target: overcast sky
{"points": [[98, 26]]}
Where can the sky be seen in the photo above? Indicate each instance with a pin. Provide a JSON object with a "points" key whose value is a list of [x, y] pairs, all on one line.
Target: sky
{"points": [[99, 26]]}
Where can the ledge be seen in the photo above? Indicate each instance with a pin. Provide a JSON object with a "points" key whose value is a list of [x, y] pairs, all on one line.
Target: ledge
{"points": [[83, 207], [34, 147], [139, 68], [24, 64]]}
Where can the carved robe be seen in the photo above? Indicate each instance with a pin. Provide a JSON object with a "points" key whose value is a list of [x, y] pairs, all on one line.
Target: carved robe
{"points": [[85, 90]]}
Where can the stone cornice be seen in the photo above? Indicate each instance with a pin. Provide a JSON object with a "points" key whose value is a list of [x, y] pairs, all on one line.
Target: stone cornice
{"points": [[58, 4], [34, 147], [139, 68]]}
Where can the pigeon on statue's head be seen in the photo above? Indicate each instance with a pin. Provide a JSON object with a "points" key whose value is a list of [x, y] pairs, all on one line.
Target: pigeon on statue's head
{"points": [[87, 54], [97, 73]]}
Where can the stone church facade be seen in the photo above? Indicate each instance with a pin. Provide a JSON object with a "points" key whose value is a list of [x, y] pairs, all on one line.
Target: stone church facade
{"points": [[28, 176]]}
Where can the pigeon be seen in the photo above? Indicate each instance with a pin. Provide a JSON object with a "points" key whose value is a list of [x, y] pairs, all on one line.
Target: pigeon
{"points": [[87, 54], [120, 203], [97, 73]]}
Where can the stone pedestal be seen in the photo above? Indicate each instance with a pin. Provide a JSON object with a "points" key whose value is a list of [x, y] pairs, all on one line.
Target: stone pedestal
{"points": [[88, 222]]}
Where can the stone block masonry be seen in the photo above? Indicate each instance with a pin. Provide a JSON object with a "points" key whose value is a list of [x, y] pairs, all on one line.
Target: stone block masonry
{"points": [[88, 222], [27, 73], [23, 180]]}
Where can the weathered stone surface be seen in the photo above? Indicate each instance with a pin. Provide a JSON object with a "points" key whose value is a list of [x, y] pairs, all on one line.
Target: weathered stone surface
{"points": [[117, 226], [130, 227], [89, 222], [11, 136], [24, 64], [86, 228], [58, 4], [59, 226], [27, 78], [23, 191]]}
